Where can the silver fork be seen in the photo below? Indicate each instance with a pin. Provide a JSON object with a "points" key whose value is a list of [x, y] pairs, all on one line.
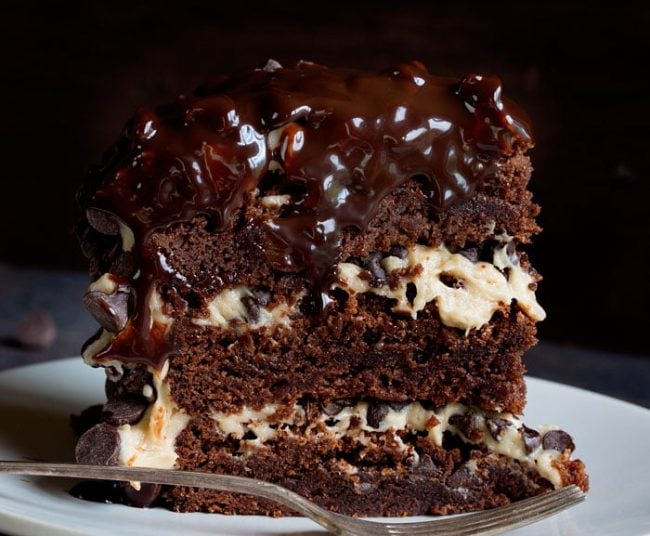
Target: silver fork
{"points": [[487, 522]]}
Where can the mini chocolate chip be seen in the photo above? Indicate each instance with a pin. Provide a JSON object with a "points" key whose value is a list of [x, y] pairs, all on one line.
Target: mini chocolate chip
{"points": [[486, 253], [511, 247], [252, 308], [399, 251], [465, 424], [125, 411], [98, 446], [373, 264], [332, 409], [471, 254], [262, 296], [558, 440], [497, 427], [103, 221], [142, 498], [110, 310], [530, 438], [376, 413], [429, 406], [336, 406], [36, 330], [450, 280]]}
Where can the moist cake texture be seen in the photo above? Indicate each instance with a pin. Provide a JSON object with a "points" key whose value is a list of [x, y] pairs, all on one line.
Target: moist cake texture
{"points": [[314, 277]]}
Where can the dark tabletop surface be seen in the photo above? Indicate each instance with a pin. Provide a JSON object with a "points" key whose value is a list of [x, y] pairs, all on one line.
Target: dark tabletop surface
{"points": [[58, 295]]}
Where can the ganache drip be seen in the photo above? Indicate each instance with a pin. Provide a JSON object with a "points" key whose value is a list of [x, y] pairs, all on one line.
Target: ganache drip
{"points": [[346, 139]]}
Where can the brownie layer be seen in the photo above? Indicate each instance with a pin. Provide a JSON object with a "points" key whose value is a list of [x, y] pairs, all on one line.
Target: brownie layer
{"points": [[367, 352], [451, 479]]}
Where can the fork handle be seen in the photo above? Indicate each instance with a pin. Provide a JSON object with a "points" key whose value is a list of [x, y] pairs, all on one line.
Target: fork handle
{"points": [[236, 484]]}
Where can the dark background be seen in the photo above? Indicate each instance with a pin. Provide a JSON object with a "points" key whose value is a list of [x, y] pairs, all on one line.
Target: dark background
{"points": [[74, 72]]}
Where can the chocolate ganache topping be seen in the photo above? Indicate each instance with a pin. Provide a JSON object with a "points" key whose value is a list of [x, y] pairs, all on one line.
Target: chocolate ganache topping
{"points": [[346, 138]]}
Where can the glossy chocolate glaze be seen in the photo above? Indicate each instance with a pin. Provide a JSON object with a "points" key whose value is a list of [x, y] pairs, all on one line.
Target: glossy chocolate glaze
{"points": [[345, 139]]}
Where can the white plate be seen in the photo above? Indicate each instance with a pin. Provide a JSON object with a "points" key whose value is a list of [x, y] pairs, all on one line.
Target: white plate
{"points": [[613, 439]]}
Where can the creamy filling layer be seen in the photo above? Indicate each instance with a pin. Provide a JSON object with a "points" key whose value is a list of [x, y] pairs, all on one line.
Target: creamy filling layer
{"points": [[466, 293], [500, 433], [151, 441], [93, 348], [238, 305]]}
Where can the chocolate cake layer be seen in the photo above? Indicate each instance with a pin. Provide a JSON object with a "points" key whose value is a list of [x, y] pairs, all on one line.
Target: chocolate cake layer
{"points": [[366, 352], [315, 277]]}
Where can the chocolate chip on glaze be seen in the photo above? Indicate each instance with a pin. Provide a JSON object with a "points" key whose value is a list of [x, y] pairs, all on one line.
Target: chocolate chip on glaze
{"points": [[124, 411], [558, 440], [99, 446], [110, 310]]}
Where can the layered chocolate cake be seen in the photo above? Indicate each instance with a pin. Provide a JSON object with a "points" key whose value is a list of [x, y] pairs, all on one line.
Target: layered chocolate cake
{"points": [[314, 277]]}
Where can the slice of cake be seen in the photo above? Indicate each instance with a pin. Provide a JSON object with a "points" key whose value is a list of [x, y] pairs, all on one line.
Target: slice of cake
{"points": [[313, 276]]}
